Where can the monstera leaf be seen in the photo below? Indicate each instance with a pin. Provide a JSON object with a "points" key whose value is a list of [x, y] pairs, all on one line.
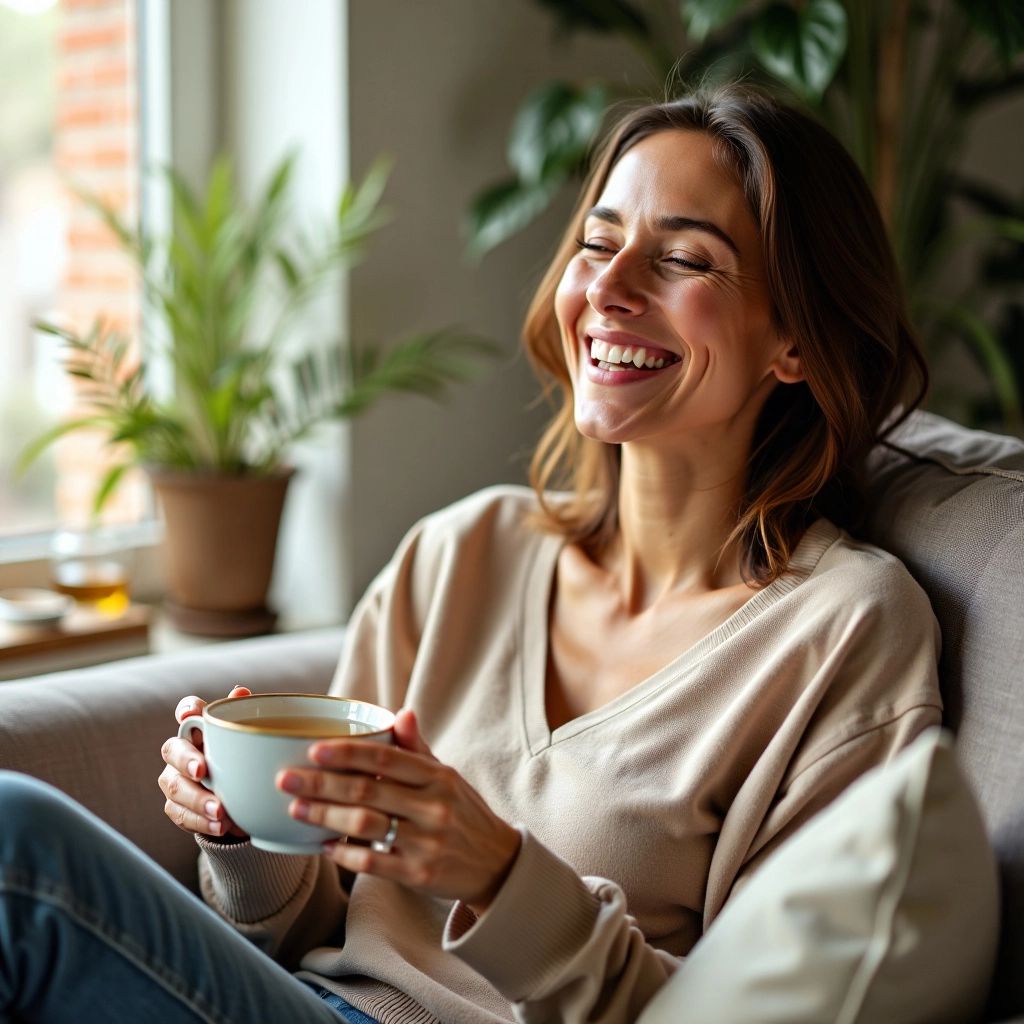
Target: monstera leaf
{"points": [[550, 138], [802, 45]]}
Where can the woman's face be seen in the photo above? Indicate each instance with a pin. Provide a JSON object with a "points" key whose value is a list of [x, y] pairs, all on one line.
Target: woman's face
{"points": [[664, 312]]}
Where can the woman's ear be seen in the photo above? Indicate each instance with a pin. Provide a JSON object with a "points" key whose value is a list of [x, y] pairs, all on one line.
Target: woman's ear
{"points": [[787, 366]]}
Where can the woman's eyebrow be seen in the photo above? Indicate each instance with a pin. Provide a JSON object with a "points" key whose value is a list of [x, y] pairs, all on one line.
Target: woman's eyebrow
{"points": [[672, 223]]}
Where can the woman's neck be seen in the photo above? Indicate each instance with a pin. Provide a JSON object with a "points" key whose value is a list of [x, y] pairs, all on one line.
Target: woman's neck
{"points": [[675, 517]]}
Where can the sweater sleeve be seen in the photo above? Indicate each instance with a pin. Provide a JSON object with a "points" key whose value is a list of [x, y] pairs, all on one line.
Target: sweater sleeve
{"points": [[559, 947], [287, 905], [284, 905]]}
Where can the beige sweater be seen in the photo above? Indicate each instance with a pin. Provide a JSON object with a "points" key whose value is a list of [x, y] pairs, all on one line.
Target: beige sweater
{"points": [[638, 819]]}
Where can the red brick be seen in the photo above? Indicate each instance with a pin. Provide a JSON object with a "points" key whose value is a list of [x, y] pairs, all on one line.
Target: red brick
{"points": [[96, 5], [92, 239], [112, 73], [98, 37], [90, 113]]}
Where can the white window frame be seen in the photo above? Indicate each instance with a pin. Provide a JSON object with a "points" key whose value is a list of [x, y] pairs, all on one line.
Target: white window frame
{"points": [[163, 29]]}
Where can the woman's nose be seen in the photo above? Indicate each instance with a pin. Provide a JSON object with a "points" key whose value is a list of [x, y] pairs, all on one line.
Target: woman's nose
{"points": [[617, 289]]}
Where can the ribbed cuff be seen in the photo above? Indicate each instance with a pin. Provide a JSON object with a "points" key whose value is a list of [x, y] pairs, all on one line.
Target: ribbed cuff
{"points": [[541, 917], [248, 884]]}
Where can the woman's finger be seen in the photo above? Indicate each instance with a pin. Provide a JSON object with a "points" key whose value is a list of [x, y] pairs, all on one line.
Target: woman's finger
{"points": [[188, 821], [365, 756], [190, 806], [190, 706], [185, 756], [187, 707], [352, 822], [407, 733], [366, 860]]}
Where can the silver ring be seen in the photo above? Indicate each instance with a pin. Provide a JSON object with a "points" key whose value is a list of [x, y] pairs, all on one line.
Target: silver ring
{"points": [[385, 845]]}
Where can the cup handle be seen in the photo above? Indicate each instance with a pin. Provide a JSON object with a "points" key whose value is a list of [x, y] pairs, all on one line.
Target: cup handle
{"points": [[185, 733]]}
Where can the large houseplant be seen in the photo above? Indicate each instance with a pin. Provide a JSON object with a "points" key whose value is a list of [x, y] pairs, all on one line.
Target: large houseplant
{"points": [[902, 82], [229, 284]]}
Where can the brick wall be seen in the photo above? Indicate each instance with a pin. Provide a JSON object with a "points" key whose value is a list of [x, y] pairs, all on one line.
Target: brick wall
{"points": [[97, 148]]}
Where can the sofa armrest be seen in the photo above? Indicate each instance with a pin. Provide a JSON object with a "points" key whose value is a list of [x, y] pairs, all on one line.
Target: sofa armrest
{"points": [[96, 733]]}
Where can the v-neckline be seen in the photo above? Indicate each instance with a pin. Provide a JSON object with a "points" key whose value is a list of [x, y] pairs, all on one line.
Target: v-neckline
{"points": [[534, 638]]}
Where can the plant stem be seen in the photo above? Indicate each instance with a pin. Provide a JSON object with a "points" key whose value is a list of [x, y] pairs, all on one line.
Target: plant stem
{"points": [[860, 84], [891, 81]]}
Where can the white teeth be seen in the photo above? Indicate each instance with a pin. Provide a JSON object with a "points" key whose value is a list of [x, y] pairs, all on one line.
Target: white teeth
{"points": [[619, 356]]}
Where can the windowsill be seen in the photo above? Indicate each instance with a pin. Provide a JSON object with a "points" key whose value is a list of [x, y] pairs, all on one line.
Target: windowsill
{"points": [[25, 561], [81, 639], [144, 630]]}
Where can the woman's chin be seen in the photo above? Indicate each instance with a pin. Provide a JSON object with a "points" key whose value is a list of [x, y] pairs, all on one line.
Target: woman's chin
{"points": [[603, 429]]}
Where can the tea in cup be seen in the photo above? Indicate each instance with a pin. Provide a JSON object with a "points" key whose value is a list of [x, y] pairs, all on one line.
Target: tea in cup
{"points": [[248, 740]]}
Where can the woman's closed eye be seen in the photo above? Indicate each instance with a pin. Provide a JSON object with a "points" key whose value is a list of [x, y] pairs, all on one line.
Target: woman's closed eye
{"points": [[688, 262], [603, 248]]}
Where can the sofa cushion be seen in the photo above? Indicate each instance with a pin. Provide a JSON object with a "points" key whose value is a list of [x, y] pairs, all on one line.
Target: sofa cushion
{"points": [[950, 503], [884, 907]]}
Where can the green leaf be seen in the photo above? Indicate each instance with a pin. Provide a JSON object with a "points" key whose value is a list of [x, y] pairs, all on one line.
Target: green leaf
{"points": [[287, 266], [986, 345], [129, 239], [108, 485], [1001, 22], [505, 209], [219, 198], [276, 190], [424, 364], [599, 15], [802, 47], [38, 445], [702, 17], [554, 129]]}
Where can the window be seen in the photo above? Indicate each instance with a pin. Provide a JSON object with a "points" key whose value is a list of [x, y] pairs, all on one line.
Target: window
{"points": [[69, 118]]}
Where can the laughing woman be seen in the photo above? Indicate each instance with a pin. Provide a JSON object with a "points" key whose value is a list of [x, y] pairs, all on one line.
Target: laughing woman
{"points": [[621, 690]]}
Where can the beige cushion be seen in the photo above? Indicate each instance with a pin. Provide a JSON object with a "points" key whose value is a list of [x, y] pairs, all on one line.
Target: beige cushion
{"points": [[882, 909], [949, 502]]}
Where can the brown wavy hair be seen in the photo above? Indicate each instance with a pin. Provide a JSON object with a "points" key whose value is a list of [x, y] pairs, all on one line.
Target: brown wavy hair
{"points": [[835, 292]]}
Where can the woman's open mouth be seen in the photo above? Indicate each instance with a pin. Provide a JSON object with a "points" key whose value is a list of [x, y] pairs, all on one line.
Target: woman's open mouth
{"points": [[623, 358]]}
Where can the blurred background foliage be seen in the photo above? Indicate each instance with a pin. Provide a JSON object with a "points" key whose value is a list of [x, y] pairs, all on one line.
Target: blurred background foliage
{"points": [[900, 82]]}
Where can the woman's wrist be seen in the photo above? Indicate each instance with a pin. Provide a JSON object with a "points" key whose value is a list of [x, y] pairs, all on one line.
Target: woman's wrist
{"points": [[509, 846]]}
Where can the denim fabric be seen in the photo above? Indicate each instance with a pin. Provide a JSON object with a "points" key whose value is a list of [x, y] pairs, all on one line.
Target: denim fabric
{"points": [[346, 1009], [91, 929]]}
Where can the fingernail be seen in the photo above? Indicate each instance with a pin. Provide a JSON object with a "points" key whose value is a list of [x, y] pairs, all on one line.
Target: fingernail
{"points": [[290, 782], [216, 827], [193, 769], [211, 809], [300, 809]]}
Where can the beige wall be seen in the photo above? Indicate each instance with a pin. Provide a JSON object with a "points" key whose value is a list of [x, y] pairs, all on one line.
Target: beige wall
{"points": [[436, 85]]}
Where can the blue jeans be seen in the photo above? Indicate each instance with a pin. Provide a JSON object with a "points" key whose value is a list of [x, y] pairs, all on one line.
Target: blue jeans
{"points": [[91, 929]]}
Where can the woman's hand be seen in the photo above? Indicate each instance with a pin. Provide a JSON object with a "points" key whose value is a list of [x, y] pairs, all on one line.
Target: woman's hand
{"points": [[449, 843], [191, 806]]}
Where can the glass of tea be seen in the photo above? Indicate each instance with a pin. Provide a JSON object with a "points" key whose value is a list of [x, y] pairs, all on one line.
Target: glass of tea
{"points": [[91, 565]]}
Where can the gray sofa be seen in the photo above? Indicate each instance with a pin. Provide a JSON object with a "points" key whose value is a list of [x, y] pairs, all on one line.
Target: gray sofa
{"points": [[949, 502]]}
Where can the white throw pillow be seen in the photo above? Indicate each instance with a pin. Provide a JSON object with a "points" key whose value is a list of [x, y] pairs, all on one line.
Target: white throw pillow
{"points": [[883, 909]]}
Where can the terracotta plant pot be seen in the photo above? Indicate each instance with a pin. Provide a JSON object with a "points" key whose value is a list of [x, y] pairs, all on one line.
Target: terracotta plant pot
{"points": [[219, 546]]}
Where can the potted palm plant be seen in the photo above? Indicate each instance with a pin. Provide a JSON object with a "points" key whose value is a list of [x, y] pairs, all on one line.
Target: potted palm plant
{"points": [[229, 283]]}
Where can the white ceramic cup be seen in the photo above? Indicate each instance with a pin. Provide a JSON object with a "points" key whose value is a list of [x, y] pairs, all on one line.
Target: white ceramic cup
{"points": [[243, 757]]}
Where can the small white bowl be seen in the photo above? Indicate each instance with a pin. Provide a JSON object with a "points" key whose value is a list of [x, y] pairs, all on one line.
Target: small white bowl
{"points": [[33, 606]]}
